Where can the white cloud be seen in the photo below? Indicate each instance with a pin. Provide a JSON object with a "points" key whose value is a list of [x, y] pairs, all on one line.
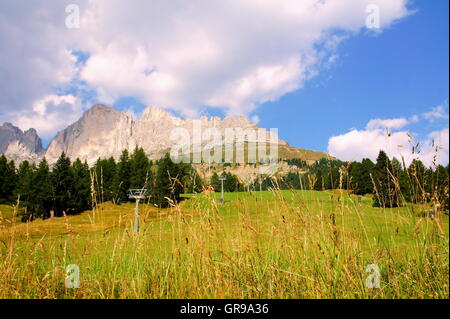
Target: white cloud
{"points": [[387, 124], [183, 55], [49, 115], [35, 56], [437, 113], [358, 144]]}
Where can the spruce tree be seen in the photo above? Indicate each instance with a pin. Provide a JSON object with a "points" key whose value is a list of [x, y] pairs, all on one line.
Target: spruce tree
{"points": [[8, 179], [62, 186], [291, 181], [365, 182], [140, 175], [193, 182], [440, 188], [122, 179], [168, 184], [401, 174], [24, 189], [386, 194], [332, 181], [215, 182], [81, 193], [42, 191], [231, 184], [318, 186], [105, 170], [420, 182]]}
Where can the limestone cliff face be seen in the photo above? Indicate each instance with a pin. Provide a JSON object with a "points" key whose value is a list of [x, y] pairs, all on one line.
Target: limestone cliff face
{"points": [[103, 132], [152, 131], [19, 145]]}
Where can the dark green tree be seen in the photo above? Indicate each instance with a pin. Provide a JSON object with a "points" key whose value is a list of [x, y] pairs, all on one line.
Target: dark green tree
{"points": [[318, 185], [168, 184], [140, 174], [420, 182], [215, 182], [62, 186], [400, 173], [361, 181], [291, 181], [193, 183], [105, 170], [232, 184], [440, 186], [81, 192], [41, 198], [386, 193], [333, 179], [8, 179], [24, 189], [122, 179]]}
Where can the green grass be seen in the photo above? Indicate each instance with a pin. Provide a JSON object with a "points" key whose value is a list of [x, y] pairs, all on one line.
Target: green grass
{"points": [[283, 244]]}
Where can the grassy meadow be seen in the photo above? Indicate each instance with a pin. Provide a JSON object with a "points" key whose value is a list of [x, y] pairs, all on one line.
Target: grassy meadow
{"points": [[280, 244]]}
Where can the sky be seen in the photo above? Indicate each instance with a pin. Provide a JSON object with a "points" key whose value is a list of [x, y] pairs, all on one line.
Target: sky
{"points": [[323, 72]]}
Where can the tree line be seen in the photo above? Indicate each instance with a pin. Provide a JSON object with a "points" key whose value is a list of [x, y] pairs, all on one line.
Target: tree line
{"points": [[69, 188], [390, 181], [72, 187]]}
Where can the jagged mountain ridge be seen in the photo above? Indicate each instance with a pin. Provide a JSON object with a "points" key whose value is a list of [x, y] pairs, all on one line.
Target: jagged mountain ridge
{"points": [[19, 145], [103, 131]]}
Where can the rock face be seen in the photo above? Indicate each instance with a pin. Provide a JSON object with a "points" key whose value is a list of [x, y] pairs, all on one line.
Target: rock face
{"points": [[19, 145], [103, 132]]}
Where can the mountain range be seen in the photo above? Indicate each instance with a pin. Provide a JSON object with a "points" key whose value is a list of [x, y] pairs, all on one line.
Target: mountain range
{"points": [[103, 131]]}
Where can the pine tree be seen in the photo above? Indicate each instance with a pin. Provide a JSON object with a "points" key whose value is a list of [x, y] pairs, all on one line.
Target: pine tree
{"points": [[420, 182], [360, 176], [105, 170], [318, 186], [8, 179], [122, 179], [332, 181], [193, 182], [24, 189], [386, 193], [291, 181], [365, 182], [62, 184], [81, 194], [401, 175], [440, 188], [140, 174], [42, 191], [168, 183], [215, 182], [232, 184]]}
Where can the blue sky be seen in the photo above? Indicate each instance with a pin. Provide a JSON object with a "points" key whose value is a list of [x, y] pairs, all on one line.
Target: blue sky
{"points": [[401, 72], [313, 69]]}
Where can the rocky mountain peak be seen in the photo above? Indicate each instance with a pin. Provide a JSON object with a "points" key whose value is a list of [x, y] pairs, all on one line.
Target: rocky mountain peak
{"points": [[18, 144], [103, 131]]}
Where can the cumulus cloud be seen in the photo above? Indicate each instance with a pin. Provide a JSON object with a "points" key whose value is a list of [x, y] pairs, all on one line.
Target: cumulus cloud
{"points": [[182, 55], [50, 114], [388, 124], [35, 55], [438, 113], [382, 134]]}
